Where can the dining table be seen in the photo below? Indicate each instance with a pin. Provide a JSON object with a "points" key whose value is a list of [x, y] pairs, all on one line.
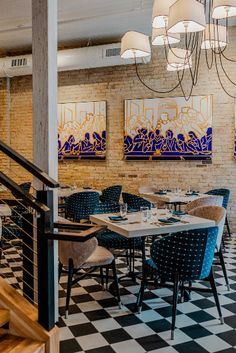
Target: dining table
{"points": [[174, 198], [133, 226]]}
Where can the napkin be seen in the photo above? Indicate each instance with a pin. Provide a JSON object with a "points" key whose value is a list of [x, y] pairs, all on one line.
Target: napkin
{"points": [[169, 220], [117, 218]]}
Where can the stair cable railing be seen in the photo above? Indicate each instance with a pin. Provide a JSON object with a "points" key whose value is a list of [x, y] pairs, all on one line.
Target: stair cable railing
{"points": [[32, 216]]}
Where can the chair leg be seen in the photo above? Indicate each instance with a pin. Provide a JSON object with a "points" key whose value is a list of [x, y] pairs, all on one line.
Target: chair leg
{"points": [[116, 283], [59, 271], [69, 285], [141, 291], [227, 225], [107, 277], [214, 290], [102, 276], [174, 305], [222, 262]]}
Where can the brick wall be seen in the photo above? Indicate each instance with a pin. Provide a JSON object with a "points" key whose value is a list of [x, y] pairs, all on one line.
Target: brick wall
{"points": [[114, 85]]}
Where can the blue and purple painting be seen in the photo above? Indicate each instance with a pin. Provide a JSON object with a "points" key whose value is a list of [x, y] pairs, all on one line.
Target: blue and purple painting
{"points": [[82, 130], [168, 129]]}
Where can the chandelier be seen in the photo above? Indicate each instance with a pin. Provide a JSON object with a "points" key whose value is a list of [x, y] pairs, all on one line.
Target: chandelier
{"points": [[187, 29]]}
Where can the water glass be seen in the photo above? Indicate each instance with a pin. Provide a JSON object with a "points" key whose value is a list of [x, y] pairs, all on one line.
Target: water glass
{"points": [[154, 210], [123, 209], [145, 213]]}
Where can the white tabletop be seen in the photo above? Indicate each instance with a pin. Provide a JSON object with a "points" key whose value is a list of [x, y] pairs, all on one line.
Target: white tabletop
{"points": [[172, 197], [135, 228], [66, 192], [5, 210]]}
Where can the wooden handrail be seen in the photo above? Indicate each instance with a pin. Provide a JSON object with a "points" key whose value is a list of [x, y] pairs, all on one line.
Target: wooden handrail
{"points": [[29, 166], [80, 236]]}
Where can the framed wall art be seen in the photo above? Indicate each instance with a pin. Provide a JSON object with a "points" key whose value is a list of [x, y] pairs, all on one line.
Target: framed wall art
{"points": [[168, 128], [82, 130]]}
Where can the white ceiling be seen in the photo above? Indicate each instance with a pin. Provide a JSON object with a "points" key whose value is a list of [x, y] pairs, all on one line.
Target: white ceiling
{"points": [[79, 21]]}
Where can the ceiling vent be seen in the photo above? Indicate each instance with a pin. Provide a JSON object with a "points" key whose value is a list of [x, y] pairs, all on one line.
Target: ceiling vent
{"points": [[19, 62], [70, 59], [112, 52]]}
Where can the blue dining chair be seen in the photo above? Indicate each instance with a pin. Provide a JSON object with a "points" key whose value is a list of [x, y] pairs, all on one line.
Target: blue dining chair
{"points": [[226, 194], [134, 201], [179, 258], [115, 241], [79, 206], [111, 194]]}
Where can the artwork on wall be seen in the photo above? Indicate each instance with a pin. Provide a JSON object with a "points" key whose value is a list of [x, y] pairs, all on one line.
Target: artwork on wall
{"points": [[82, 130], [168, 128]]}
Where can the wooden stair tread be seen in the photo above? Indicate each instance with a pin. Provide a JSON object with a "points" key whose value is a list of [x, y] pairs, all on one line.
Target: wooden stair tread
{"points": [[15, 344], [4, 317]]}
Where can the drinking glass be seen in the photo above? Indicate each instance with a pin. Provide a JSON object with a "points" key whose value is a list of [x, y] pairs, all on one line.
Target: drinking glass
{"points": [[154, 210], [123, 209], [145, 212]]}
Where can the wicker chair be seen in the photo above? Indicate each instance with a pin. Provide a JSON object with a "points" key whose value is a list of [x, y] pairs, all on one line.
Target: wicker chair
{"points": [[218, 215], [86, 256], [111, 194], [226, 194], [204, 201], [81, 205], [179, 258]]}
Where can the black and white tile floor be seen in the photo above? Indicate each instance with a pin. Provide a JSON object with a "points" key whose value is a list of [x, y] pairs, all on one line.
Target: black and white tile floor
{"points": [[97, 325]]}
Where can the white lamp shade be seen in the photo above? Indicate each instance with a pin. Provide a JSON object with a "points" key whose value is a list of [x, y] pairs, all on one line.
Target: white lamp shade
{"points": [[161, 37], [160, 12], [215, 36], [179, 59], [187, 16], [135, 45], [223, 8]]}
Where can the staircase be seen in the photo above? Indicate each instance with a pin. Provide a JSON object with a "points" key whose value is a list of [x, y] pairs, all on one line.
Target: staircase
{"points": [[12, 343], [20, 331]]}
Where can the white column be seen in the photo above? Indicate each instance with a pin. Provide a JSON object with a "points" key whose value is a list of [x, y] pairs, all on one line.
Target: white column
{"points": [[44, 46], [44, 49]]}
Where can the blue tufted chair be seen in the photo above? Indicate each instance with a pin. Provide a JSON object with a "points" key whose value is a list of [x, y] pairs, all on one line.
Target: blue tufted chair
{"points": [[226, 194], [111, 194], [134, 201], [81, 205], [179, 258], [112, 240]]}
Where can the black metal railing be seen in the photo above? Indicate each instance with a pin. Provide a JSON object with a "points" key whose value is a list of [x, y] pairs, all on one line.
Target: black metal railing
{"points": [[38, 233]]}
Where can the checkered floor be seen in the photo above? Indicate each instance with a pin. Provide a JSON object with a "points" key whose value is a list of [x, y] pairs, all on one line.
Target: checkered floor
{"points": [[97, 325]]}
